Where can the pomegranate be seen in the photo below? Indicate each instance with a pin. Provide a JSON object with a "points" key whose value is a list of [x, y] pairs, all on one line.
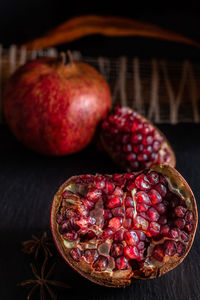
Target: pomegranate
{"points": [[53, 107], [111, 228], [133, 142]]}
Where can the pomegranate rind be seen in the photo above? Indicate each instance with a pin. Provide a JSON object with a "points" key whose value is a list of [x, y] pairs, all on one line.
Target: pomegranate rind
{"points": [[120, 162], [123, 278]]}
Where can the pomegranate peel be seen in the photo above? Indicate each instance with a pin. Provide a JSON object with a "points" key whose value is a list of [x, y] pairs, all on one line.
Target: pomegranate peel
{"points": [[112, 255], [133, 142], [54, 108]]}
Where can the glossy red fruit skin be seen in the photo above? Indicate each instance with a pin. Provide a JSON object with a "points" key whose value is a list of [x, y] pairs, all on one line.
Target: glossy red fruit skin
{"points": [[148, 274], [53, 108]]}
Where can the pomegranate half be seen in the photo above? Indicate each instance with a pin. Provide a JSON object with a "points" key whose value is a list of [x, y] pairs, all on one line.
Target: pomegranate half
{"points": [[111, 228], [133, 142]]}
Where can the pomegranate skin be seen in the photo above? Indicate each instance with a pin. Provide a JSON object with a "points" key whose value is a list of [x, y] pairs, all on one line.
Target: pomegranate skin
{"points": [[159, 254], [53, 108]]}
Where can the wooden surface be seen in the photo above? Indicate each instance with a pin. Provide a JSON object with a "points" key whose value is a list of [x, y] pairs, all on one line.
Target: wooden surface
{"points": [[27, 184]]}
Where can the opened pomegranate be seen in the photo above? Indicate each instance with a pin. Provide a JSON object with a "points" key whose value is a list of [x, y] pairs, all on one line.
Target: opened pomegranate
{"points": [[53, 107], [133, 142], [111, 228]]}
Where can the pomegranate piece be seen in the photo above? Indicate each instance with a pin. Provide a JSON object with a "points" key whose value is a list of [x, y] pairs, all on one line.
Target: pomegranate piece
{"points": [[136, 220], [134, 143]]}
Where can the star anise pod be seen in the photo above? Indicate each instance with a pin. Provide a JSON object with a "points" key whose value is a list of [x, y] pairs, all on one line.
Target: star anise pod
{"points": [[35, 245], [43, 282]]}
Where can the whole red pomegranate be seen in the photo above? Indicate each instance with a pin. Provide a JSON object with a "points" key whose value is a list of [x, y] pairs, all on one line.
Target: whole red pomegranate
{"points": [[53, 107], [111, 228], [133, 142]]}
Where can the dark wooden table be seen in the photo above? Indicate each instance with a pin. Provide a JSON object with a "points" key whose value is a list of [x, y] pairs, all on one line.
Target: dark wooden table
{"points": [[27, 184]]}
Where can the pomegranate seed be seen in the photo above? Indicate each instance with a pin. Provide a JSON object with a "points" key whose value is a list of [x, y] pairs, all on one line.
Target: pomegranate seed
{"points": [[154, 228], [101, 263], [189, 216], [170, 248], [161, 189], [155, 197], [142, 157], [94, 195], [174, 233], [131, 157], [126, 138], [140, 245], [143, 198], [128, 223], [164, 230], [153, 214], [118, 191], [162, 220], [137, 125], [116, 250], [180, 223], [142, 207], [107, 214], [89, 204], [114, 201], [147, 140], [70, 236], [129, 212], [100, 184], [180, 211], [131, 252], [129, 201], [75, 254], [115, 223], [127, 148], [141, 223], [184, 236], [141, 235], [156, 145], [148, 150], [145, 128], [189, 227], [153, 178], [131, 237], [121, 263], [109, 188], [161, 208], [129, 176], [180, 248], [65, 226], [138, 148], [108, 233], [118, 212], [158, 253], [142, 182], [119, 235], [90, 255]]}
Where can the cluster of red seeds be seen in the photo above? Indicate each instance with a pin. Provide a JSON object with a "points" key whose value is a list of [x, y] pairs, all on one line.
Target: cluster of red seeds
{"points": [[133, 140], [137, 210]]}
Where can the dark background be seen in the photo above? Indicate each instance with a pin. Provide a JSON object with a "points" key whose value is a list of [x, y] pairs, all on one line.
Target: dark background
{"points": [[28, 181], [22, 20]]}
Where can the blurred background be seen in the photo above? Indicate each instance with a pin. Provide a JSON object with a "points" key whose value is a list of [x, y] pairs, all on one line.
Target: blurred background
{"points": [[22, 20]]}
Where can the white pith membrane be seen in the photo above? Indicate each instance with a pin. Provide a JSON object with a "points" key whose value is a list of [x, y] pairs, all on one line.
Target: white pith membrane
{"points": [[117, 136], [71, 197]]}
